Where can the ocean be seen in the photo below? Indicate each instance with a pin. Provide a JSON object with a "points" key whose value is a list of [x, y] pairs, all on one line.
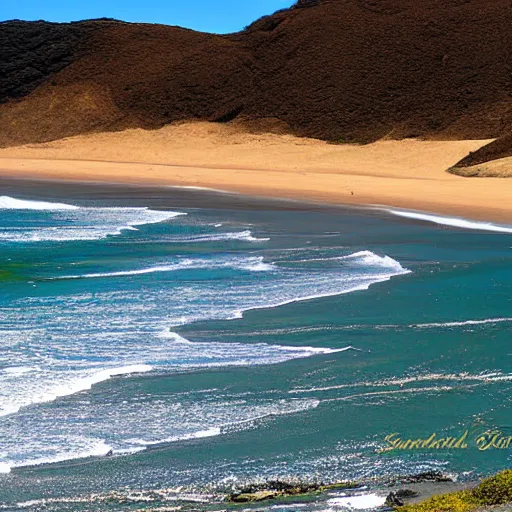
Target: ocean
{"points": [[161, 347]]}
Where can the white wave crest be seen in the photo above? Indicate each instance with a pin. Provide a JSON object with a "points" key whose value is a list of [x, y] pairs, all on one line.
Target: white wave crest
{"points": [[70, 223], [462, 323], [245, 236], [369, 258], [317, 350], [304, 298], [242, 417], [456, 222], [361, 259], [251, 264], [132, 429], [222, 354], [10, 203], [85, 448], [457, 377], [19, 370], [452, 378], [42, 385], [71, 387], [201, 434]]}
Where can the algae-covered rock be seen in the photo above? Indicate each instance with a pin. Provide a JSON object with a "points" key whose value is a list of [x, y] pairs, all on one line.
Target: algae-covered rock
{"points": [[253, 497], [338, 485], [278, 489]]}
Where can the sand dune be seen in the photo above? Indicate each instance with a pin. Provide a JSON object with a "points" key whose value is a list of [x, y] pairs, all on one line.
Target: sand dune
{"points": [[408, 173]]}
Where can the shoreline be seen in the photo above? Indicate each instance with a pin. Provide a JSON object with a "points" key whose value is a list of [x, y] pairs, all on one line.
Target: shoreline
{"points": [[248, 184], [410, 174], [409, 491], [188, 196]]}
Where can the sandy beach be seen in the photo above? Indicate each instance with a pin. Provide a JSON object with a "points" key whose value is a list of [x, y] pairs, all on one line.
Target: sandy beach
{"points": [[407, 174]]}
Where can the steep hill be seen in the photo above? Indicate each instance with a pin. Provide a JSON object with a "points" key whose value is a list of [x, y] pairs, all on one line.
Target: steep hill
{"points": [[339, 70]]}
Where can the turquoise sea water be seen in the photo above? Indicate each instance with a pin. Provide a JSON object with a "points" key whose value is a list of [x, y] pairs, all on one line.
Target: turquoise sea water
{"points": [[202, 344]]}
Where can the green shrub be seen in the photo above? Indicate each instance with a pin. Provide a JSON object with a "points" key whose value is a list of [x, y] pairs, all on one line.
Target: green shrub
{"points": [[496, 490], [461, 501]]}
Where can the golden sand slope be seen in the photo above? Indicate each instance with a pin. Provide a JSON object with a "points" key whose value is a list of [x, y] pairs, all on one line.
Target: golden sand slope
{"points": [[499, 168], [407, 174]]}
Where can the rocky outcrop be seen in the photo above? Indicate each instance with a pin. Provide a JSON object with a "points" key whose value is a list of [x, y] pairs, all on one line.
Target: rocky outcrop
{"points": [[279, 489]]}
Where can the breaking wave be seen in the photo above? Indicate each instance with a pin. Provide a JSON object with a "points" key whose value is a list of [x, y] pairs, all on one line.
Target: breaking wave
{"points": [[452, 221], [11, 203], [65, 222]]}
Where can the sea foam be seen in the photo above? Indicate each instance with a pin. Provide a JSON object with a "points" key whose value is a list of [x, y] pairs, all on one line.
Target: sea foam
{"points": [[361, 502]]}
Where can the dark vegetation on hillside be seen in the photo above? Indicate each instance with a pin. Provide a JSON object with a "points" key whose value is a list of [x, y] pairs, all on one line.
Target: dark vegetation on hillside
{"points": [[31, 52], [339, 70]]}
